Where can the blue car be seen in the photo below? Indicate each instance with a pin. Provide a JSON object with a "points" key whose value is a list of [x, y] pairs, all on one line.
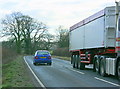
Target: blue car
{"points": [[42, 56]]}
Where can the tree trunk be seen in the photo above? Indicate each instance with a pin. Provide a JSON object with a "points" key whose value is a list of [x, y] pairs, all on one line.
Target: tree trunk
{"points": [[18, 46]]}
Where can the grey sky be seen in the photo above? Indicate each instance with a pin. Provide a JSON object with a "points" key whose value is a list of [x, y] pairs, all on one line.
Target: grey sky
{"points": [[55, 12]]}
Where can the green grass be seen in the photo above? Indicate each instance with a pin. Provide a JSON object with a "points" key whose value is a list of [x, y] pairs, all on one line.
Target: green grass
{"points": [[61, 57], [14, 74]]}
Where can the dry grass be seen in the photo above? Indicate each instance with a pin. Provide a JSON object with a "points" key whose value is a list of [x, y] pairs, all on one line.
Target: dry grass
{"points": [[8, 55]]}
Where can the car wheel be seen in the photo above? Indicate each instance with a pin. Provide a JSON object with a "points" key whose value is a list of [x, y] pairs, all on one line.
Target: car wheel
{"points": [[49, 63], [35, 64]]}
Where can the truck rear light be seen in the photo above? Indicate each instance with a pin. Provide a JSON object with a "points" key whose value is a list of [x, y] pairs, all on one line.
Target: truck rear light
{"points": [[49, 57], [36, 57]]}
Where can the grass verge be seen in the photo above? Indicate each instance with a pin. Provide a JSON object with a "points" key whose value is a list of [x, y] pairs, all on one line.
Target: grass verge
{"points": [[61, 57], [14, 74]]}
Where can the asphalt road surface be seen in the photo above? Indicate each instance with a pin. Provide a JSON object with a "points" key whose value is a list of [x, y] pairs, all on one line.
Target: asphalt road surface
{"points": [[61, 74]]}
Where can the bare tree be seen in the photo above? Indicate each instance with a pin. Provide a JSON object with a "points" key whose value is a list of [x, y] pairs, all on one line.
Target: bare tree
{"points": [[62, 37], [48, 40], [24, 29], [12, 27], [38, 34]]}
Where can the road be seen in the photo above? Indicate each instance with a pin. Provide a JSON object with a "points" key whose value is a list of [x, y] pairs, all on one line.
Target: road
{"points": [[61, 74]]}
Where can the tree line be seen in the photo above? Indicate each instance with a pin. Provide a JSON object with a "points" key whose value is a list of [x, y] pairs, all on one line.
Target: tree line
{"points": [[28, 35]]}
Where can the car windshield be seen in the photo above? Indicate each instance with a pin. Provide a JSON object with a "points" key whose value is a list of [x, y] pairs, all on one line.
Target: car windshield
{"points": [[42, 53]]}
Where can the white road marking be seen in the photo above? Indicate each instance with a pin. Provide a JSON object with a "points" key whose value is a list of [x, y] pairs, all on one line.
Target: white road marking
{"points": [[107, 81], [76, 71], [42, 85]]}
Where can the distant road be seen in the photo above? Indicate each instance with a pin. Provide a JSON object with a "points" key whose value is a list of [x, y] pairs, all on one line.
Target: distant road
{"points": [[61, 74]]}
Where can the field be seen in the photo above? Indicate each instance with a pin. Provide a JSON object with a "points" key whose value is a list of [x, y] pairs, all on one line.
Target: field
{"points": [[15, 74], [14, 70]]}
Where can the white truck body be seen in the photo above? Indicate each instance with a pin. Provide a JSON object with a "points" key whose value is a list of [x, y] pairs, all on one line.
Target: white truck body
{"points": [[95, 31], [96, 40]]}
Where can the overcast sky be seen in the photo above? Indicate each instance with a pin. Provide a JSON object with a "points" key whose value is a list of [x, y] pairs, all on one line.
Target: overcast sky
{"points": [[55, 12]]}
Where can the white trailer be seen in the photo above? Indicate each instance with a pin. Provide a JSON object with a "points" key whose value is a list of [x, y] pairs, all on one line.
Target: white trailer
{"points": [[93, 41]]}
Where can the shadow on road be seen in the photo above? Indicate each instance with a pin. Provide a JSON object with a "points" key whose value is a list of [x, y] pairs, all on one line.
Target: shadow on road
{"points": [[42, 64]]}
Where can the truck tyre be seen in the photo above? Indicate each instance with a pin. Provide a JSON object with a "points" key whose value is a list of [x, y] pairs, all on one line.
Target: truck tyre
{"points": [[82, 66], [73, 64], [102, 67], [73, 61], [94, 65], [118, 70], [77, 61], [97, 65], [75, 58]]}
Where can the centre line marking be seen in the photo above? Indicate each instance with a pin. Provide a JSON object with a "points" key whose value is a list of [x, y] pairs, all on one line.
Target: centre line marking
{"points": [[77, 71], [107, 81], [42, 85]]}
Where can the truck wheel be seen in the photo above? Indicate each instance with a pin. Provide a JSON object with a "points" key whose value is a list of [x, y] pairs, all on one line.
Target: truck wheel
{"points": [[77, 61], [118, 70], [102, 68], [73, 61], [94, 66], [73, 64], [82, 66], [97, 65]]}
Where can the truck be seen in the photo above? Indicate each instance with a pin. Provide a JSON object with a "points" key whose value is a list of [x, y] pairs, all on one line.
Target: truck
{"points": [[96, 40]]}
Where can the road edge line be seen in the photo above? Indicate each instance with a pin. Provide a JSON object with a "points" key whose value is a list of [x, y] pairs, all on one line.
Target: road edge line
{"points": [[107, 81], [41, 84]]}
